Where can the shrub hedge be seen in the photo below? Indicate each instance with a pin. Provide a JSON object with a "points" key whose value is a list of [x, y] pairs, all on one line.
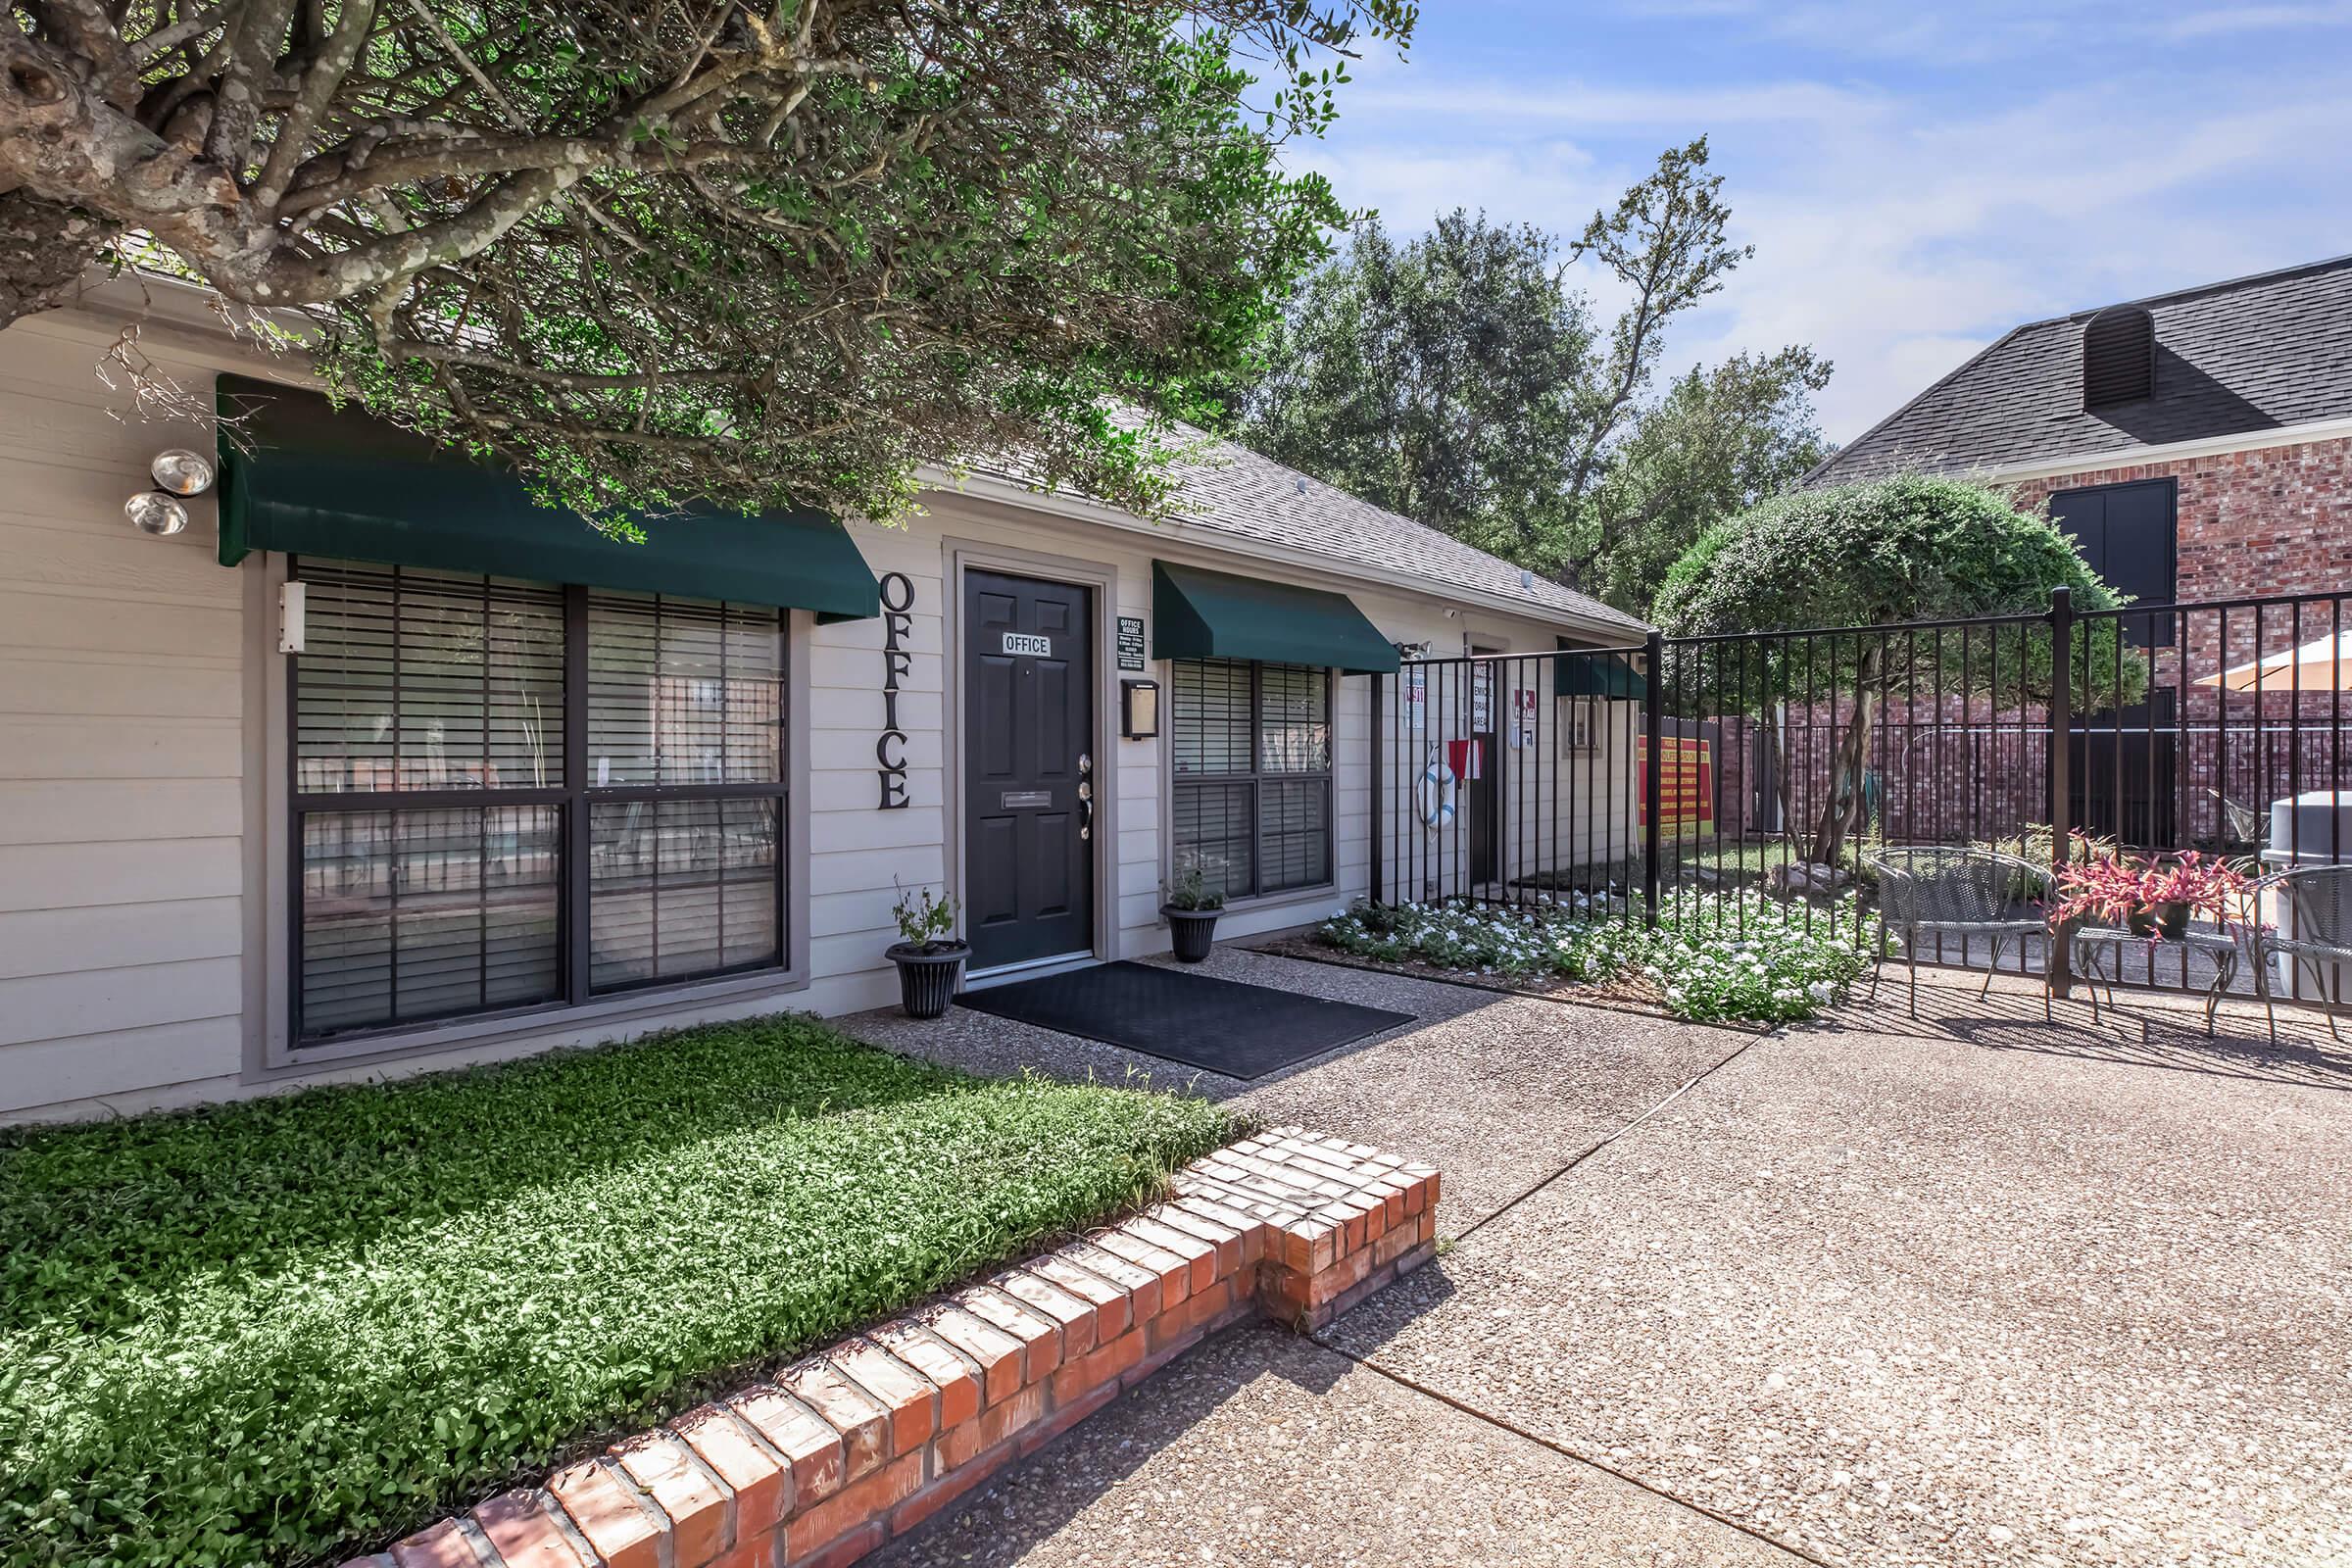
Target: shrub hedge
{"points": [[274, 1331]]}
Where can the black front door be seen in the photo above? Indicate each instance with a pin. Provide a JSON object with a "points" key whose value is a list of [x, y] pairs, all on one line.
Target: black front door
{"points": [[1029, 780]]}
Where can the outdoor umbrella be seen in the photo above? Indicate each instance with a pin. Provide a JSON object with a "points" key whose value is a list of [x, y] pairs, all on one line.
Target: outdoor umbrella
{"points": [[2320, 665]]}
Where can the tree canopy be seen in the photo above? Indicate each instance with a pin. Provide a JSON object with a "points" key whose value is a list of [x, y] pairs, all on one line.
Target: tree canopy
{"points": [[1462, 378], [1870, 556], [655, 250]]}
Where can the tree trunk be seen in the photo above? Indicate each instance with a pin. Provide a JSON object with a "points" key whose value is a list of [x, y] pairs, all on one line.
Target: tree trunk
{"points": [[1841, 810], [45, 247]]}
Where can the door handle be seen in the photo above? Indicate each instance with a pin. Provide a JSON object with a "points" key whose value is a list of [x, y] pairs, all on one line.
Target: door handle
{"points": [[1086, 810]]}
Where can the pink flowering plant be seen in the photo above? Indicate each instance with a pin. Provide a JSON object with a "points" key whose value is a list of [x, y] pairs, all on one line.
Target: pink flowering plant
{"points": [[2112, 888]]}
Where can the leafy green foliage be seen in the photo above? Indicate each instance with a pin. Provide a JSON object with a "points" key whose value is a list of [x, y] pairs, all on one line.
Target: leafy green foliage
{"points": [[1713, 957], [759, 255], [1462, 380], [1909, 548], [1867, 557], [264, 1332]]}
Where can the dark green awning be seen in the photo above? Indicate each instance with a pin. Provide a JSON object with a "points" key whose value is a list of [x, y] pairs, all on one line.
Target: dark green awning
{"points": [[1596, 675], [316, 481], [1212, 614]]}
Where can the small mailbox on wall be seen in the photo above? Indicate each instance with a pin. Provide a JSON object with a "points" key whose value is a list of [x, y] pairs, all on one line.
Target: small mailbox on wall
{"points": [[1139, 708]]}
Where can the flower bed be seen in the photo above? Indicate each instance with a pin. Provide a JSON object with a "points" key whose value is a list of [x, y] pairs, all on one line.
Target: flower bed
{"points": [[1714, 958], [271, 1330]]}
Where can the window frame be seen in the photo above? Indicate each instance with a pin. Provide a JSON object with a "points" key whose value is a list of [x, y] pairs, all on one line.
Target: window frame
{"points": [[1259, 778], [573, 801]]}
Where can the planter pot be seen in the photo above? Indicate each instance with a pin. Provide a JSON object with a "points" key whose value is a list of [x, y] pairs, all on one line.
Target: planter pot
{"points": [[928, 980], [2171, 919], [1194, 930]]}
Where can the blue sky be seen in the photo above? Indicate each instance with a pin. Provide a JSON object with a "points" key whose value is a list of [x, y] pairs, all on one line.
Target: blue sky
{"points": [[1914, 178]]}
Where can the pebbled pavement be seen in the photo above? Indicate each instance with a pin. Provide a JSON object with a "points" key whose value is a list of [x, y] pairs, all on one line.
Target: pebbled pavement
{"points": [[1967, 1290]]}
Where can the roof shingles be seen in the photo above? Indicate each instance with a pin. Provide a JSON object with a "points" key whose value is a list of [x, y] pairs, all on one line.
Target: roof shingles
{"points": [[1229, 489], [2237, 358]]}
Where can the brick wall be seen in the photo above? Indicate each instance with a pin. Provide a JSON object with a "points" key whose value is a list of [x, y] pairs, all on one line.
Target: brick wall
{"points": [[2272, 520], [867, 1439]]}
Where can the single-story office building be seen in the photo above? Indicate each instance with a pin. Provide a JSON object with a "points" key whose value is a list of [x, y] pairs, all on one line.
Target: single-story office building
{"points": [[376, 767]]}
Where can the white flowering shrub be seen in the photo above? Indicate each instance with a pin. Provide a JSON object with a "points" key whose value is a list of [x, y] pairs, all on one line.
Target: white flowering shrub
{"points": [[1714, 956]]}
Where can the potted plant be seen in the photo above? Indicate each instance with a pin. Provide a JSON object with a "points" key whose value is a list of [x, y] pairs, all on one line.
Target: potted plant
{"points": [[2151, 898], [1192, 904], [930, 960]]}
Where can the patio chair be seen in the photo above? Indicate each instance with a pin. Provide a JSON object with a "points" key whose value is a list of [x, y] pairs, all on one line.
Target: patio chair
{"points": [[2246, 825], [2321, 898], [1953, 892]]}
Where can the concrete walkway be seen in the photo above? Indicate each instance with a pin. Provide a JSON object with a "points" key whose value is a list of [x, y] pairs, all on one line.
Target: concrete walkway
{"points": [[1973, 1289]]}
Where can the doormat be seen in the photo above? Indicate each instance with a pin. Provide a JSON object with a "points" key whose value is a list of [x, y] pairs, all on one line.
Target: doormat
{"points": [[1241, 1031]]}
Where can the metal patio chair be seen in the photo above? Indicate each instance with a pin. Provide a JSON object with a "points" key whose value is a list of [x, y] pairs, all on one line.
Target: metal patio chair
{"points": [[1944, 891], [2321, 898]]}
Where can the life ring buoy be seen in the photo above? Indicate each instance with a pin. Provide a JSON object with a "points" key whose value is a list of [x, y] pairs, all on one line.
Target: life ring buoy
{"points": [[1436, 795]]}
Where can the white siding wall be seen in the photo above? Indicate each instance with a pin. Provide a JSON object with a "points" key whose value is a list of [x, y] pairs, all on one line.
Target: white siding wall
{"points": [[137, 825], [122, 704]]}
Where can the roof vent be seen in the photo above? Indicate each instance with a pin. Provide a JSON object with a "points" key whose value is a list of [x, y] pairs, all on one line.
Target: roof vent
{"points": [[1302, 487], [2118, 357]]}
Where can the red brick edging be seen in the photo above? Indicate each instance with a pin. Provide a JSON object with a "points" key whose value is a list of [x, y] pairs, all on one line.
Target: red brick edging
{"points": [[867, 1439]]}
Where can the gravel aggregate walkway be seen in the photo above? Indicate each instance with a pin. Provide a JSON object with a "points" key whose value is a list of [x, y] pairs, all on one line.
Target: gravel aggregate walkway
{"points": [[1263, 1448], [1938, 1296], [1497, 1091], [1965, 1290]]}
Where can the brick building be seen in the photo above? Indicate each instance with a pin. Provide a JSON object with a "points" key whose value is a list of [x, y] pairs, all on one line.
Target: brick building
{"points": [[2197, 446]]}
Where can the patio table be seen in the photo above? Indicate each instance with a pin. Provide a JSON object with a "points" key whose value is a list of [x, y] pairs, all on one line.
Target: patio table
{"points": [[2093, 942]]}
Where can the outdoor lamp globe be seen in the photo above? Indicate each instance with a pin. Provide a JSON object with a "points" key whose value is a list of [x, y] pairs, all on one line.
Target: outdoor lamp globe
{"points": [[182, 471], [153, 512]]}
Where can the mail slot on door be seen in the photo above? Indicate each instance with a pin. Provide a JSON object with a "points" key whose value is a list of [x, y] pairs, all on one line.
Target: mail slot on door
{"points": [[1016, 800]]}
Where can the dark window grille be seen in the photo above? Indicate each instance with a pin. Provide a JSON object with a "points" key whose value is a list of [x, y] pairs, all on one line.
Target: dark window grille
{"points": [[1252, 800], [508, 795]]}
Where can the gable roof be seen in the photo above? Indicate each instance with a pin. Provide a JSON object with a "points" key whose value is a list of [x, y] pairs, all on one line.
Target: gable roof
{"points": [[1228, 489], [2237, 358]]}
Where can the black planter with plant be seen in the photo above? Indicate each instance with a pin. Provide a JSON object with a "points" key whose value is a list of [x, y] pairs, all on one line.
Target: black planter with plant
{"points": [[1191, 906], [930, 961]]}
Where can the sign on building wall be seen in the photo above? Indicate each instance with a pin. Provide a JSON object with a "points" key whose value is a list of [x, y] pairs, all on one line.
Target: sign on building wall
{"points": [[898, 663], [1131, 642], [1685, 785]]}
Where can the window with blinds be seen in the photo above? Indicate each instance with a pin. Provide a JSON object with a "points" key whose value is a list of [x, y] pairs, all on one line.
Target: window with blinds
{"points": [[459, 853], [1251, 751]]}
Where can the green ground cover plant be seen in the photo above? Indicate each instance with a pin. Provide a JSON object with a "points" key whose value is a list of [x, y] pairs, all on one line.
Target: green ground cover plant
{"points": [[269, 1332], [1714, 958]]}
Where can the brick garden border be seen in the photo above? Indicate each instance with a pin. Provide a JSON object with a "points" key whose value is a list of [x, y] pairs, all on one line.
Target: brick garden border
{"points": [[864, 1440]]}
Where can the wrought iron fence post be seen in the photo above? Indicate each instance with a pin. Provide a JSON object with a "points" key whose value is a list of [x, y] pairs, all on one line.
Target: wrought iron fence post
{"points": [[1378, 821], [2061, 768], [1653, 716]]}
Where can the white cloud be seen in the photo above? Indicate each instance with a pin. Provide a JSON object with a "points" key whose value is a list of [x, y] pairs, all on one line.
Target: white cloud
{"points": [[2224, 20], [1896, 233]]}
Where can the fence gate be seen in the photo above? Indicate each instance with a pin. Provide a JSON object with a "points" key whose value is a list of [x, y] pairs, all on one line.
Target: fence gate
{"points": [[1622, 780]]}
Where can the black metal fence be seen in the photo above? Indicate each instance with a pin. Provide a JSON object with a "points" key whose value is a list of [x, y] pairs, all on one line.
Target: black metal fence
{"points": [[1775, 763]]}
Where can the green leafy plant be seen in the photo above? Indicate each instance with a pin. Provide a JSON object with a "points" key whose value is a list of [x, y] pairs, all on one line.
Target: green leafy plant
{"points": [[288, 1330], [1713, 957], [1909, 548], [926, 921], [763, 256], [1192, 889]]}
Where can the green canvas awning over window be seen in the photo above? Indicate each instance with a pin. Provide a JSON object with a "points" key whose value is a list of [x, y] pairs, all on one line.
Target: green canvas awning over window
{"points": [[316, 481], [1198, 614], [1596, 675]]}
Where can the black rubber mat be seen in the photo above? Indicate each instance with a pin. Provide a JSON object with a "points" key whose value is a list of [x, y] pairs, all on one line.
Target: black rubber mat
{"points": [[1238, 1030]]}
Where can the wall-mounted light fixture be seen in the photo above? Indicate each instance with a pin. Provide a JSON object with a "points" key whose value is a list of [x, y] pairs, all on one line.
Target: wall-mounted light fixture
{"points": [[178, 472], [1139, 708]]}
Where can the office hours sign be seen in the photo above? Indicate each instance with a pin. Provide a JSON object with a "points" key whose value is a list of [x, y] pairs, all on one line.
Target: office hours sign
{"points": [[898, 663]]}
